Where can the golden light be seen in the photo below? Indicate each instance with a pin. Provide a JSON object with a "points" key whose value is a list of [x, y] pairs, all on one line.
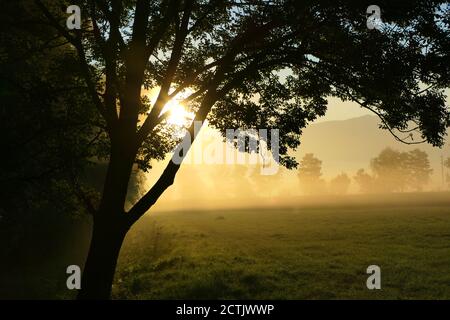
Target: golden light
{"points": [[178, 115], [175, 112]]}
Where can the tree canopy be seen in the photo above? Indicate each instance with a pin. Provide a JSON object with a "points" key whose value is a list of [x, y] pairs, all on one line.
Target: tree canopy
{"points": [[260, 64]]}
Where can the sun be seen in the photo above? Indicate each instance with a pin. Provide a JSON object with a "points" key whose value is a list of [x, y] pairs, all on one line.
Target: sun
{"points": [[174, 111], [178, 115]]}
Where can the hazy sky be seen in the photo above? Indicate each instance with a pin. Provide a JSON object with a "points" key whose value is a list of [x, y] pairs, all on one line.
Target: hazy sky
{"points": [[338, 110], [343, 146]]}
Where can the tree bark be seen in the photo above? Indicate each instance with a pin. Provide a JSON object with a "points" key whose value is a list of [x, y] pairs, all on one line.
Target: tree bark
{"points": [[100, 266], [110, 224]]}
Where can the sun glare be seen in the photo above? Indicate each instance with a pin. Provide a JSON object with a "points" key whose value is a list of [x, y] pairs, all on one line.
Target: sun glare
{"points": [[178, 115], [175, 112]]}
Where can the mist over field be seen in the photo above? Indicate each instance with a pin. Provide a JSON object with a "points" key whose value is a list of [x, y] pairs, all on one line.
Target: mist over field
{"points": [[343, 146], [295, 251]]}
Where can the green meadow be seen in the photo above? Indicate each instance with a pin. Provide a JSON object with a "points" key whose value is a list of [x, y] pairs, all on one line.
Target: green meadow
{"points": [[304, 253], [309, 252]]}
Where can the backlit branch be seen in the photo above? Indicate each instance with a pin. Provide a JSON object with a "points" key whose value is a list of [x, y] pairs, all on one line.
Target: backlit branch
{"points": [[365, 105], [177, 50]]}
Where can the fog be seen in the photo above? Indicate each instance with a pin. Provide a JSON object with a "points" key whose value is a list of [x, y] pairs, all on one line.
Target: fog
{"points": [[343, 146]]}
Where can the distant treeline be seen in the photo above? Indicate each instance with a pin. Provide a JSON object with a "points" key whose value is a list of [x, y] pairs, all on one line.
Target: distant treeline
{"points": [[390, 171]]}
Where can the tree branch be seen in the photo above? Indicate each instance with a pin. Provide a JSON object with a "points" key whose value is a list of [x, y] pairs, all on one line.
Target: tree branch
{"points": [[77, 43], [167, 177], [161, 100]]}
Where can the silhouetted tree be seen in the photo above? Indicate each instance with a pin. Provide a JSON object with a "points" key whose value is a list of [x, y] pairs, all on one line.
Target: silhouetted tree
{"points": [[340, 184], [418, 168], [248, 64], [390, 170], [48, 131], [365, 181], [310, 174], [396, 171], [447, 165]]}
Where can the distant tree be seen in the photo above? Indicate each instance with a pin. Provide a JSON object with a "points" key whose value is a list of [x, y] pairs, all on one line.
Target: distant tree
{"points": [[447, 165], [395, 171], [365, 181], [390, 171], [340, 184], [310, 174], [418, 169]]}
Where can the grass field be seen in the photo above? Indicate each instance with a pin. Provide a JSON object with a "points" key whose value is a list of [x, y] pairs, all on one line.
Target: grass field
{"points": [[310, 252], [304, 253]]}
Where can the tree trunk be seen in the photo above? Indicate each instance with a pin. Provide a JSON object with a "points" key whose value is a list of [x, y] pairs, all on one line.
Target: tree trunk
{"points": [[98, 273], [110, 223]]}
